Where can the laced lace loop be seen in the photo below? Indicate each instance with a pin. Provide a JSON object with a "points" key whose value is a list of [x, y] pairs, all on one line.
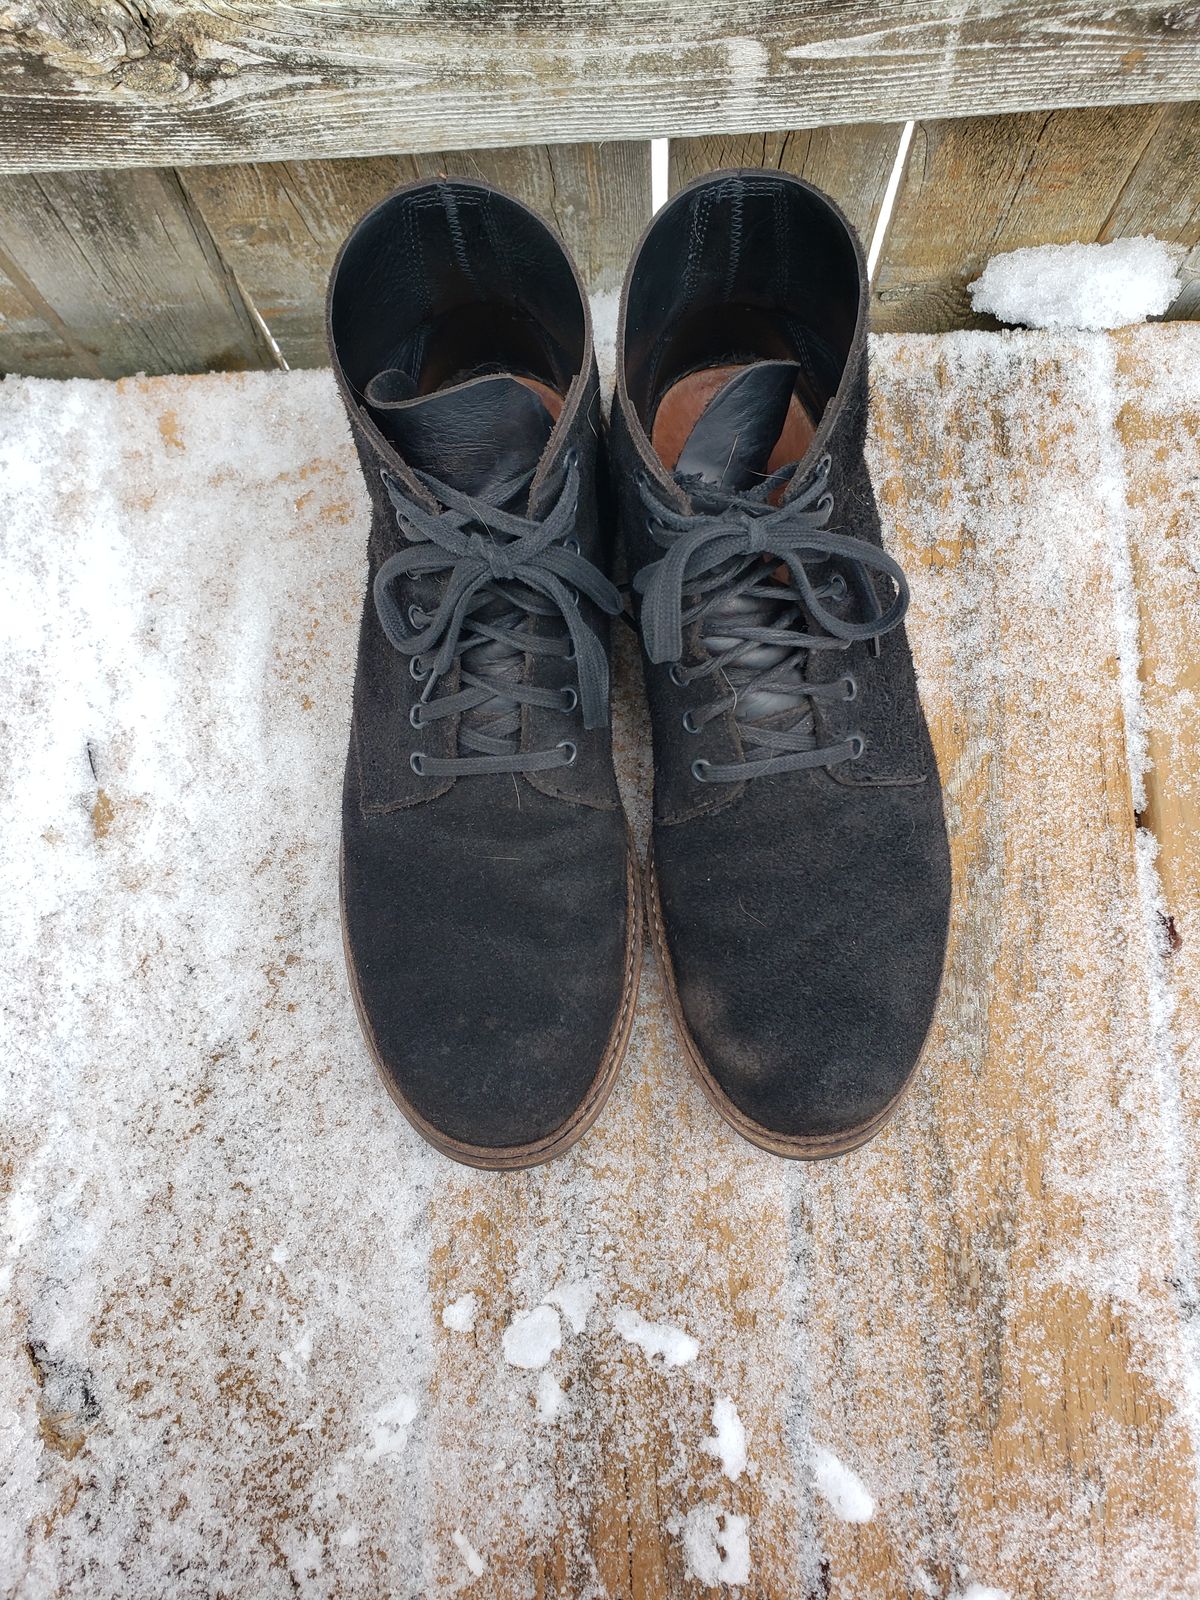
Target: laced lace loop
{"points": [[502, 570], [719, 566]]}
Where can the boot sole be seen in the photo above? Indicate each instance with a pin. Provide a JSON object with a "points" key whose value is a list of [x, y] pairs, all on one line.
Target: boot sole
{"points": [[512, 1158], [818, 1147]]}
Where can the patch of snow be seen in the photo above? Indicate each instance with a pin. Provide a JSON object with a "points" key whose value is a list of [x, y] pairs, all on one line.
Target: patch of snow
{"points": [[550, 1397], [1079, 285], [459, 1315], [981, 1591], [656, 1338], [389, 1427], [728, 1442], [716, 1546], [474, 1561], [575, 1301], [847, 1495], [300, 1353], [532, 1337], [279, 1255]]}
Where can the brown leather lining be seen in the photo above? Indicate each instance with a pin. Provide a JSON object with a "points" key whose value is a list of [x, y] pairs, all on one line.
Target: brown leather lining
{"points": [[684, 403]]}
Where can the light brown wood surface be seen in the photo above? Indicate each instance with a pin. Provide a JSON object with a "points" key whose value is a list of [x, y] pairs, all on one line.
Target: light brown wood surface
{"points": [[980, 185], [181, 83], [985, 1313], [280, 225], [852, 163]]}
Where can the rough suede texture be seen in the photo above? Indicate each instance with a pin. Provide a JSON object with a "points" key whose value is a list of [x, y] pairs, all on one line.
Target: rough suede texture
{"points": [[485, 917], [806, 913]]}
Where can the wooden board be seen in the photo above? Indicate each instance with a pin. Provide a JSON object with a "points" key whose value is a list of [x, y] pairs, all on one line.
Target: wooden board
{"points": [[852, 163], [182, 83], [279, 225], [1158, 391], [1162, 197], [981, 1314], [980, 185], [117, 274]]}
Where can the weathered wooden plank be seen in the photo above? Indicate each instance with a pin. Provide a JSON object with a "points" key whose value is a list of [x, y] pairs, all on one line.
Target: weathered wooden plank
{"points": [[184, 83], [1158, 420], [980, 185], [1162, 196], [120, 276], [279, 225], [852, 163], [983, 1314]]}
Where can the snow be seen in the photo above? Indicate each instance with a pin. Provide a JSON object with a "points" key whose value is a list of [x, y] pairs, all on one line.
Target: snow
{"points": [[846, 1494], [656, 1338], [1079, 285], [728, 1441], [550, 1397], [459, 1315], [575, 1301], [716, 1546], [389, 1427], [474, 1561], [227, 1259], [532, 1338], [980, 1591]]}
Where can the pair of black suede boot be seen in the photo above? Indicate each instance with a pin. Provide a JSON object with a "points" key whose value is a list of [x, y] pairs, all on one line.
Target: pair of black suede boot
{"points": [[798, 884]]}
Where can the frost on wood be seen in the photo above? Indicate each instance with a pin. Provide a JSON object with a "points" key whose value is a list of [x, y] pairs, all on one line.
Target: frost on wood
{"points": [[1079, 285], [227, 1260]]}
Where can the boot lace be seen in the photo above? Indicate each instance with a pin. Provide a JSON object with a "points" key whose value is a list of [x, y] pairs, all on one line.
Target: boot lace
{"points": [[720, 568], [503, 571]]}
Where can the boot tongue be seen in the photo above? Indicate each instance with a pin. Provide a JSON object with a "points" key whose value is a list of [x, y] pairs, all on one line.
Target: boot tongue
{"points": [[732, 441], [483, 437]]}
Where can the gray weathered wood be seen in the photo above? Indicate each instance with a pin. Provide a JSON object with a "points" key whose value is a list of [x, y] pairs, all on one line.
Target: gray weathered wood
{"points": [[112, 273], [1162, 197], [279, 224], [108, 83], [979, 185], [852, 163]]}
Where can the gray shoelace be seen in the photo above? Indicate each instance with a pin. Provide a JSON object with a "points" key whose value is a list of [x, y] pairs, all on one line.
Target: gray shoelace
{"points": [[758, 630], [503, 571]]}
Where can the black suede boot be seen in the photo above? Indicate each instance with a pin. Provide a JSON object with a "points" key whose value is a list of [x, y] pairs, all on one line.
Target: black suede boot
{"points": [[799, 880], [490, 908]]}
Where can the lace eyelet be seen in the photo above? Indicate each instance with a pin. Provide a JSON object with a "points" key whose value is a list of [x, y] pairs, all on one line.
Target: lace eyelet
{"points": [[825, 464], [676, 675], [825, 503], [417, 670], [572, 752], [414, 716], [417, 762], [415, 611], [572, 545], [857, 745], [689, 723], [569, 699], [699, 768], [851, 683], [570, 655]]}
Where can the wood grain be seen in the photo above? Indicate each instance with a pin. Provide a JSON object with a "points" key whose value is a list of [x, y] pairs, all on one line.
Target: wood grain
{"points": [[1162, 197], [985, 1313], [116, 274], [279, 225], [185, 83], [852, 163], [1158, 420], [980, 185]]}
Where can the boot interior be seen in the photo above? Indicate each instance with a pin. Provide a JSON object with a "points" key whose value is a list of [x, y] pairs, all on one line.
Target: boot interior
{"points": [[450, 281], [742, 269]]}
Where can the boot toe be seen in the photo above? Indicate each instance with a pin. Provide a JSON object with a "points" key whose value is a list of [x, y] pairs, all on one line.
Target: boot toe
{"points": [[807, 972], [487, 945]]}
